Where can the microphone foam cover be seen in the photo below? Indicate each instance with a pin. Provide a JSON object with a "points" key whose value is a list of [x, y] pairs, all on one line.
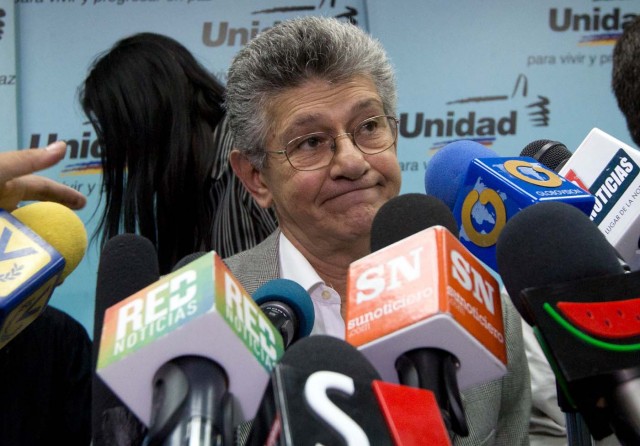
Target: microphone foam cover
{"points": [[322, 352], [292, 294], [551, 154], [188, 259], [60, 227], [446, 170], [408, 214], [128, 263], [549, 243]]}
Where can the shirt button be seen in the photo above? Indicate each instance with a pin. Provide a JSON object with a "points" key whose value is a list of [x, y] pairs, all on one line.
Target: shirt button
{"points": [[326, 295]]}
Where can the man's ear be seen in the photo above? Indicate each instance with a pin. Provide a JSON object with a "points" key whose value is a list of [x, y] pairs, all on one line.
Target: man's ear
{"points": [[251, 178]]}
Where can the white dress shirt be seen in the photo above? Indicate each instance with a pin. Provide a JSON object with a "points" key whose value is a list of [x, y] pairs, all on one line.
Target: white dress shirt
{"points": [[326, 301]]}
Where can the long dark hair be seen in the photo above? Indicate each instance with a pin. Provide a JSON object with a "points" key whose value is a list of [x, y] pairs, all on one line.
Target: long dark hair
{"points": [[154, 109]]}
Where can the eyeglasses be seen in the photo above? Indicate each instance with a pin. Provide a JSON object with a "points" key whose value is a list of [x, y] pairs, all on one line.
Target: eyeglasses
{"points": [[316, 150]]}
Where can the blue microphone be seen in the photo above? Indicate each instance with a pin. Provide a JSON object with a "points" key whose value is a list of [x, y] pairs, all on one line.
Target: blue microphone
{"points": [[289, 308], [488, 190], [454, 160]]}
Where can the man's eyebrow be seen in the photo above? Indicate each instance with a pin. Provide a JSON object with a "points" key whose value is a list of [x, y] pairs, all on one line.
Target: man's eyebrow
{"points": [[367, 103], [307, 119], [311, 118]]}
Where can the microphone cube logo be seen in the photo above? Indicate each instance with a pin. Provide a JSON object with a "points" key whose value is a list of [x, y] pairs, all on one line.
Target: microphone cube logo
{"points": [[610, 169], [612, 184], [203, 288], [29, 271], [392, 288], [201, 310], [495, 189], [426, 290], [421, 276]]}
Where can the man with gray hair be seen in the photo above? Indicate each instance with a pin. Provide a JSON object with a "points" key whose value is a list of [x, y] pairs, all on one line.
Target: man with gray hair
{"points": [[312, 105]]}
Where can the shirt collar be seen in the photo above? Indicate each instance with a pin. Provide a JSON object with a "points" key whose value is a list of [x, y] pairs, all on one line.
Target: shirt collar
{"points": [[294, 266]]}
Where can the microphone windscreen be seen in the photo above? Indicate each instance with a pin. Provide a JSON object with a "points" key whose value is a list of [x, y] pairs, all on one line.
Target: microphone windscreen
{"points": [[322, 352], [60, 227], [549, 243], [446, 170], [408, 214], [292, 294], [188, 259], [128, 263], [551, 154]]}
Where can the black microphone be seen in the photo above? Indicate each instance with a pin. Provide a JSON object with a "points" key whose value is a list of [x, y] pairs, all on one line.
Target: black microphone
{"points": [[551, 244], [187, 259], [552, 154], [408, 214], [555, 155], [128, 263], [289, 308], [324, 391], [565, 279]]}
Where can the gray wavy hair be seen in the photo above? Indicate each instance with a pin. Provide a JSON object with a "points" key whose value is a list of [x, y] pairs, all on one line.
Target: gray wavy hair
{"points": [[286, 56]]}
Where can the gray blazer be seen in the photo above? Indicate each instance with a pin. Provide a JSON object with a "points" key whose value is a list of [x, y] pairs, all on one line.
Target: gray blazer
{"points": [[497, 412]]}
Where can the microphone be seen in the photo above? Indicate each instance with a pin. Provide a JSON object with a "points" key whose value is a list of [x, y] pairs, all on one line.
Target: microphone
{"points": [[552, 154], [40, 245], [454, 159], [407, 214], [323, 391], [289, 308], [565, 279], [187, 259], [425, 311], [199, 348], [496, 188], [608, 168], [558, 247], [128, 263]]}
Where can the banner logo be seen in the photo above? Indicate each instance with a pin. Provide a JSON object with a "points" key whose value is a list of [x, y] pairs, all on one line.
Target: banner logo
{"points": [[226, 34], [478, 125], [607, 25]]}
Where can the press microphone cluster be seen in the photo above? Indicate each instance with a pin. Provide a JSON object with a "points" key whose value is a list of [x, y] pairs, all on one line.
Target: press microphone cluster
{"points": [[40, 245], [565, 279]]}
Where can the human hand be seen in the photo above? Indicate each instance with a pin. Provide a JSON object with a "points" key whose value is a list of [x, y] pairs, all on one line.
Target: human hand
{"points": [[17, 182]]}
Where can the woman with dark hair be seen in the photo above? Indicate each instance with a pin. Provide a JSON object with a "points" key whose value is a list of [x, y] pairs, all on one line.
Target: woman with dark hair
{"points": [[165, 146], [159, 118]]}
